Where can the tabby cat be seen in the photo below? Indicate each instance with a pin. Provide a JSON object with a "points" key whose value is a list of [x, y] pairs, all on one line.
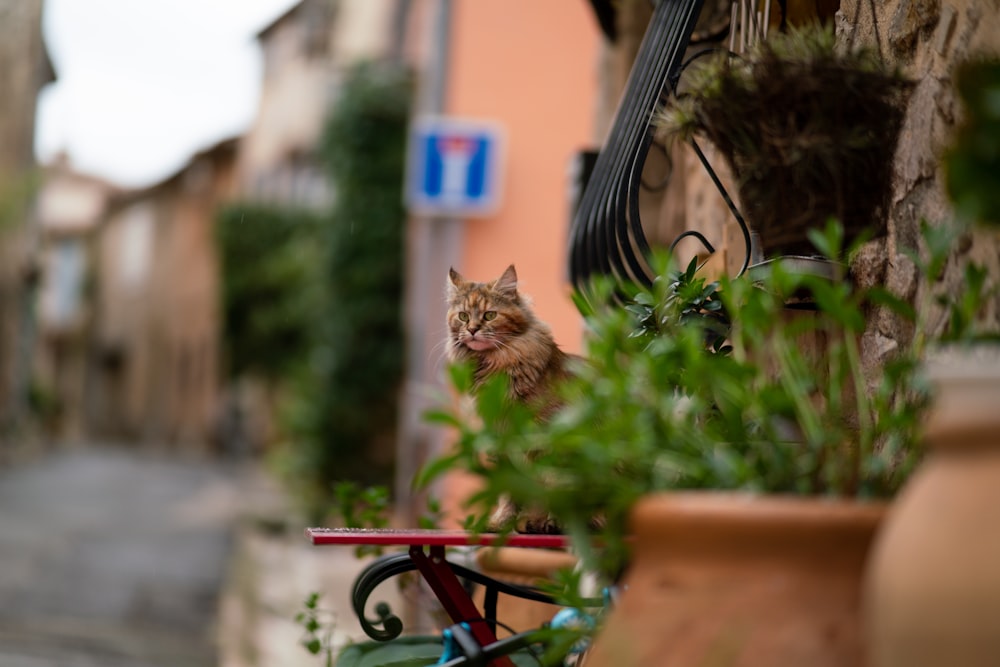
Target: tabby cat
{"points": [[492, 325]]}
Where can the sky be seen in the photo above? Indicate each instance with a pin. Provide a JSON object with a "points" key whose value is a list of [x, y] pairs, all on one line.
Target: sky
{"points": [[143, 85]]}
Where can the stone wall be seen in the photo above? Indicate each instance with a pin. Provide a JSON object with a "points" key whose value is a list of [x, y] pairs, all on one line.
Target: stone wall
{"points": [[927, 39], [154, 360]]}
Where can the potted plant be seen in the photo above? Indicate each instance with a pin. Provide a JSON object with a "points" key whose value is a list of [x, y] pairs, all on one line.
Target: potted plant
{"points": [[808, 128], [711, 416], [933, 588]]}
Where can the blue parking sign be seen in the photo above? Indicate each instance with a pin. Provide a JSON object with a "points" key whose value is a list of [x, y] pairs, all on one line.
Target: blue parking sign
{"points": [[454, 167]]}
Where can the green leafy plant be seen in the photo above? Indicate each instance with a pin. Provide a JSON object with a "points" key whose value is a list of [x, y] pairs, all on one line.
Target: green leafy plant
{"points": [[317, 628], [362, 507], [784, 407], [342, 416], [16, 193], [971, 165], [270, 294], [972, 161], [688, 300]]}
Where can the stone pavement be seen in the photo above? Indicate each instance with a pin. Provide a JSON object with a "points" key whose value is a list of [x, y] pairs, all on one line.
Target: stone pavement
{"points": [[112, 558]]}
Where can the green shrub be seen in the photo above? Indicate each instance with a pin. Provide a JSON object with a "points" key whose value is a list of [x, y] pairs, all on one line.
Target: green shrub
{"points": [[344, 419], [661, 404], [269, 258]]}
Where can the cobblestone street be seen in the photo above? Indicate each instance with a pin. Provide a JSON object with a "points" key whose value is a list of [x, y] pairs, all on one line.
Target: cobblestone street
{"points": [[113, 558]]}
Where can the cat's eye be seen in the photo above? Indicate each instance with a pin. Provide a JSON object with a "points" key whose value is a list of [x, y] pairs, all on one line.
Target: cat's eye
{"points": [[490, 315], [464, 316]]}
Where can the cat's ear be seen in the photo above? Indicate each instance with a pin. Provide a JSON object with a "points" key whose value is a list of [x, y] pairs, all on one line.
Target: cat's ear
{"points": [[507, 283], [454, 280]]}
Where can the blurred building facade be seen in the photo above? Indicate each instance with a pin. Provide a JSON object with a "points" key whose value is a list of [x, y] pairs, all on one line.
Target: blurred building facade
{"points": [[70, 208], [128, 309], [550, 74], [153, 366], [306, 51], [277, 156]]}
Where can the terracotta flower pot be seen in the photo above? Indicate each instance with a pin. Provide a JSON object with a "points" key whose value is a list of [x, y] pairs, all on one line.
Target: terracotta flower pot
{"points": [[933, 590], [741, 580]]}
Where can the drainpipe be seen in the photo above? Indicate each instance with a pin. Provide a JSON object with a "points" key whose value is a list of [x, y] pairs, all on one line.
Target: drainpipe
{"points": [[433, 244]]}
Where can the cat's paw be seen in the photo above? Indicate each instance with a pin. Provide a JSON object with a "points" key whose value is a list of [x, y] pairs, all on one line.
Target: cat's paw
{"points": [[538, 523], [504, 517]]}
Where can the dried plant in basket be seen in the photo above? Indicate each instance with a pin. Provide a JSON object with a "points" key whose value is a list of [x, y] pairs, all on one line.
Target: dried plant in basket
{"points": [[809, 130]]}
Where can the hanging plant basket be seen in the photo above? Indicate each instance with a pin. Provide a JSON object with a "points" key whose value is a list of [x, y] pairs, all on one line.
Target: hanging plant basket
{"points": [[809, 131]]}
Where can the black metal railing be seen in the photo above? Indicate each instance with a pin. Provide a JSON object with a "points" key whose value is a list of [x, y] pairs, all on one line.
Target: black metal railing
{"points": [[607, 237]]}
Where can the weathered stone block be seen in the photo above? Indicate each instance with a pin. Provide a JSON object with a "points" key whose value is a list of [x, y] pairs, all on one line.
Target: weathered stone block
{"points": [[869, 266], [945, 30], [909, 20]]}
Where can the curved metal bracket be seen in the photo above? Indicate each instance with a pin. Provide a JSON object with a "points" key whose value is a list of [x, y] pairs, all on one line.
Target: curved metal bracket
{"points": [[607, 237], [747, 239], [378, 571], [388, 626]]}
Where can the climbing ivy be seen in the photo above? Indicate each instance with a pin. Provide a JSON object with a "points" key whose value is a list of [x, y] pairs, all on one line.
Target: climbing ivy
{"points": [[269, 288], [312, 302], [344, 422]]}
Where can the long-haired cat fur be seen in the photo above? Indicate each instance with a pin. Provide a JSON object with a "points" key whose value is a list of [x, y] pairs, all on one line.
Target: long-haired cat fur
{"points": [[492, 325]]}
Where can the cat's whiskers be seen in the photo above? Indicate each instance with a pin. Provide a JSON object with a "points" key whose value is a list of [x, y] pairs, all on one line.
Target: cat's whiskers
{"points": [[498, 340], [439, 352], [500, 343]]}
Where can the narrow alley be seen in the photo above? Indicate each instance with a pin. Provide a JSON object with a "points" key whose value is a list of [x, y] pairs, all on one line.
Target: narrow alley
{"points": [[113, 558]]}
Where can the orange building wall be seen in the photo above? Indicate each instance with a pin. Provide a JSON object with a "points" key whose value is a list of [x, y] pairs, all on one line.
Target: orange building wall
{"points": [[531, 66]]}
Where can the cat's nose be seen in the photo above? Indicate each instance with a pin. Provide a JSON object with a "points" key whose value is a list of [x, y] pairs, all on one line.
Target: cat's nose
{"points": [[473, 329]]}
